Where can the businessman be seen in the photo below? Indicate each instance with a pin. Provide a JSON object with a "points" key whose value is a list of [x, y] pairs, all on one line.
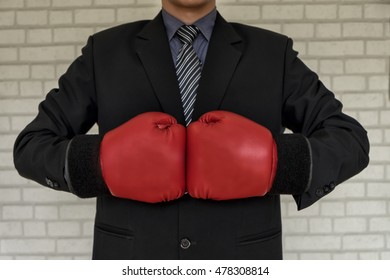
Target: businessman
{"points": [[190, 159]]}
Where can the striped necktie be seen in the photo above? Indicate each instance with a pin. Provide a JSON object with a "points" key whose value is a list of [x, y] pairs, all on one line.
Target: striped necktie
{"points": [[188, 69]]}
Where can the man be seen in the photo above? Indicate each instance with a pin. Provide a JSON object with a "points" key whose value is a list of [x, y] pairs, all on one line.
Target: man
{"points": [[191, 158]]}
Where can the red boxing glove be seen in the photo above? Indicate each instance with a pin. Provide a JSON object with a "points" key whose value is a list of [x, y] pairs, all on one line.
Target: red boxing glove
{"points": [[144, 159], [229, 157]]}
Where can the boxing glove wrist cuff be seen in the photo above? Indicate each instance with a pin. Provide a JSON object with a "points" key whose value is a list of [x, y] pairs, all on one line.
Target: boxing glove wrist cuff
{"points": [[294, 169], [83, 167]]}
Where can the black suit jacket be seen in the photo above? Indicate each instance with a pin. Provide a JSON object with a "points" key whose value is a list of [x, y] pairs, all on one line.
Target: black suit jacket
{"points": [[128, 70]]}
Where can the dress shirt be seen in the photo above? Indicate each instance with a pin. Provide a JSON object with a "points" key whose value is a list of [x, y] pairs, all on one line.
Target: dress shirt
{"points": [[201, 42]]}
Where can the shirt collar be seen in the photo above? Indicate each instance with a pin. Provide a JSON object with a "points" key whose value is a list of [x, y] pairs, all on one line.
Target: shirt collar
{"points": [[205, 24]]}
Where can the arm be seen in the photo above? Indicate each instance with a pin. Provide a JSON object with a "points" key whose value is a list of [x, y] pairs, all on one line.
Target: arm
{"points": [[339, 144], [40, 149]]}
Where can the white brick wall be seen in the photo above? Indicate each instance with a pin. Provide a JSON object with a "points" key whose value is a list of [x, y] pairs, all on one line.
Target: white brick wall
{"points": [[346, 42]]}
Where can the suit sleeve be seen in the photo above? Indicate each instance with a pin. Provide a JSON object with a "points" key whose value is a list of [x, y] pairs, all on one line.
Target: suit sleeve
{"points": [[65, 115], [336, 144]]}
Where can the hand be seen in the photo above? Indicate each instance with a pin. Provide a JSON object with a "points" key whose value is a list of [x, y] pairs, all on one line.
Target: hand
{"points": [[144, 159], [229, 157]]}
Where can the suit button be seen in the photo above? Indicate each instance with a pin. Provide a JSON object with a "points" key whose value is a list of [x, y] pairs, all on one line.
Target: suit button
{"points": [[319, 192], [185, 243], [332, 185]]}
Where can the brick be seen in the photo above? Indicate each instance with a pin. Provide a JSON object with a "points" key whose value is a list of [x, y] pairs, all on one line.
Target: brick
{"points": [[7, 18], [19, 106], [362, 29], [378, 83], [7, 143], [300, 47], [315, 256], [295, 225], [10, 195], [72, 34], [372, 172], [349, 83], [366, 208], [299, 30], [363, 101], [270, 26], [52, 53], [8, 54], [88, 228], [385, 255], [378, 190], [385, 117], [240, 12], [31, 88], [72, 3], [10, 229], [377, 11], [387, 135], [290, 256], [39, 36], [49, 85], [76, 246], [369, 117], [64, 229], [11, 177], [332, 209], [320, 225], [328, 30], [11, 37], [350, 12], [321, 11], [375, 135], [380, 224], [27, 246], [133, 14], [313, 243], [43, 71], [336, 48], [116, 2], [380, 153], [369, 256], [43, 194], [378, 47], [363, 242], [354, 66], [11, 3], [34, 229], [30, 258], [348, 190], [60, 17], [8, 72], [46, 212], [32, 17], [8, 89], [38, 3], [19, 123], [349, 225], [77, 212], [331, 67], [283, 12], [95, 16], [17, 212], [345, 256], [4, 122], [312, 64]]}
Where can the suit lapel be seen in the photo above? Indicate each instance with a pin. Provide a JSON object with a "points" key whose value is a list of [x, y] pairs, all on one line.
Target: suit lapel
{"points": [[223, 55], [222, 58], [153, 49]]}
